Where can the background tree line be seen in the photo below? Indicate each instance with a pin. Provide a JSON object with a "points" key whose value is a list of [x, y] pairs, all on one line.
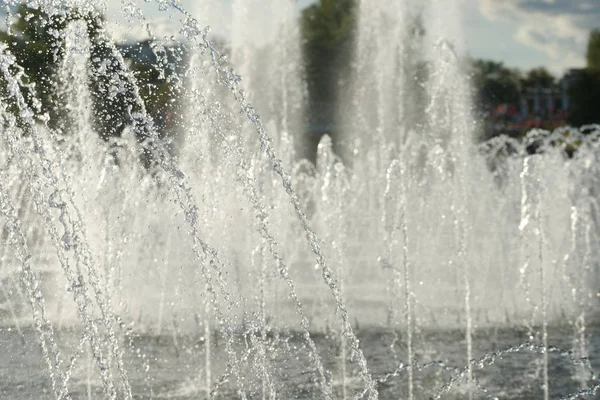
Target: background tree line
{"points": [[328, 28], [497, 84], [328, 33], [585, 89], [37, 41]]}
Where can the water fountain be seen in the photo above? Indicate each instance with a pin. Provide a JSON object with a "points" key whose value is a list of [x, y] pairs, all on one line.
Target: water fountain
{"points": [[416, 264]]}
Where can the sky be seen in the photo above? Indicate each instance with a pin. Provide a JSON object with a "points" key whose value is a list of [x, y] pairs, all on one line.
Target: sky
{"points": [[520, 33], [530, 33]]}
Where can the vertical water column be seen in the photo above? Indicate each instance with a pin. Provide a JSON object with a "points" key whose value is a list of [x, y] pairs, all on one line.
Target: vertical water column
{"points": [[395, 219], [578, 266], [198, 160], [288, 96], [267, 56], [583, 227], [72, 243], [451, 124], [534, 244], [80, 142], [373, 110], [74, 81], [332, 208]]}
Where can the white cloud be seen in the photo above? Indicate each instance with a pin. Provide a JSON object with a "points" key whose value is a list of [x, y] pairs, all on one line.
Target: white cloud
{"points": [[558, 28]]}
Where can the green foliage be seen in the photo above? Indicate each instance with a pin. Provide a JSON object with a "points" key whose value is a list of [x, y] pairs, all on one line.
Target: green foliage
{"points": [[584, 92], [538, 77], [495, 83], [584, 89], [38, 46], [157, 93], [328, 24], [327, 31], [593, 50], [37, 41]]}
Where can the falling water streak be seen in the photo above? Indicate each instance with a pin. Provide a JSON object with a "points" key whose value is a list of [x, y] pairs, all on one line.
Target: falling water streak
{"points": [[207, 344], [163, 285], [80, 294], [184, 198], [464, 224], [528, 199], [401, 277], [583, 351], [108, 271], [50, 350], [259, 252], [89, 373], [467, 282], [73, 77], [4, 255], [460, 226], [266, 380], [461, 189], [380, 83], [228, 78], [121, 245], [11, 308], [75, 233], [198, 108], [450, 108], [580, 340], [407, 285], [263, 323], [541, 254], [290, 72], [386, 262], [284, 83], [337, 246], [245, 176], [78, 42], [571, 255], [81, 348], [209, 256], [526, 215], [334, 190], [343, 351]]}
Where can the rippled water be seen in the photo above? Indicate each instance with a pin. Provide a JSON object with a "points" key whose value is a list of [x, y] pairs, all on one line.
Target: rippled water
{"points": [[170, 368]]}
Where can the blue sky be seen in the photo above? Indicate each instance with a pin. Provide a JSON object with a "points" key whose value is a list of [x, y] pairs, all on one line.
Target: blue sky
{"points": [[520, 33], [529, 33]]}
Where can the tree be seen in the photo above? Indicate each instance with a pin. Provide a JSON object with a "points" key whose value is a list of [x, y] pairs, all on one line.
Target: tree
{"points": [[538, 78], [495, 83], [593, 50], [584, 92], [327, 30], [37, 43], [584, 87]]}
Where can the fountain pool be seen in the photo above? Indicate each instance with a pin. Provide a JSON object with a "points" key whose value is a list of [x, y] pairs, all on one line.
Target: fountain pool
{"points": [[214, 263]]}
